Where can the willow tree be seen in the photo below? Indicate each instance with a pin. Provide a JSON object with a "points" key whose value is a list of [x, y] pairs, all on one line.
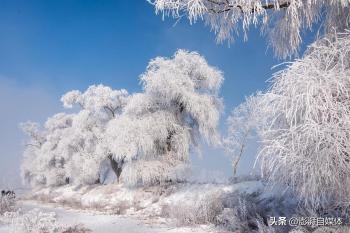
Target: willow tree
{"points": [[304, 124], [43, 162], [98, 105], [67, 148], [160, 126], [281, 21]]}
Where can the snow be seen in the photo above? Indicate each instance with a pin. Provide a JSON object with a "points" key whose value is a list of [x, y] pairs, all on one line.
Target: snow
{"points": [[4, 229], [101, 223], [116, 208], [147, 199]]}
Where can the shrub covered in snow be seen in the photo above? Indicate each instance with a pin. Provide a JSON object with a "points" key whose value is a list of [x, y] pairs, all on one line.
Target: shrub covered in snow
{"points": [[238, 210], [7, 204], [79, 228], [340, 229], [36, 221], [202, 210], [33, 221]]}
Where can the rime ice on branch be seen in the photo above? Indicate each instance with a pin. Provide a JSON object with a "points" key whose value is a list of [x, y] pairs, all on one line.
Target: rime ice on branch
{"points": [[303, 121], [282, 21], [145, 138], [158, 128], [68, 149]]}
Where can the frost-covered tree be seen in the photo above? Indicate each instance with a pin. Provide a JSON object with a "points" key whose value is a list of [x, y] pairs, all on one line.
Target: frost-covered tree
{"points": [[43, 164], [242, 124], [159, 127], [67, 150], [100, 100], [32, 129], [306, 124], [29, 167], [99, 104], [282, 21], [146, 138]]}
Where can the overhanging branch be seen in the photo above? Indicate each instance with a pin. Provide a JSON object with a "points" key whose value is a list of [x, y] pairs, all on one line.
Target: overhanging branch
{"points": [[226, 6]]}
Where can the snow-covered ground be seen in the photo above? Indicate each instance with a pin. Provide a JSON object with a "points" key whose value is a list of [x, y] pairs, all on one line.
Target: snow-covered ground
{"points": [[102, 223], [187, 207], [130, 200]]}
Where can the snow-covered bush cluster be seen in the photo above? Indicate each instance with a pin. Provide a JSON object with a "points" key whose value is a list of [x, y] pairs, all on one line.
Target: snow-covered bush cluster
{"points": [[242, 212], [281, 21], [36, 221], [144, 138], [243, 207], [7, 204], [79, 228], [33, 221], [203, 210], [321, 230]]}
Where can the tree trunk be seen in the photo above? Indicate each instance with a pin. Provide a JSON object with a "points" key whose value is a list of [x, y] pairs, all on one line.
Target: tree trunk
{"points": [[98, 181], [238, 158], [116, 166]]}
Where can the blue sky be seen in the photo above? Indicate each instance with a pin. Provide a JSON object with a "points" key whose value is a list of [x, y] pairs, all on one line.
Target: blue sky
{"points": [[69, 44], [50, 47]]}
